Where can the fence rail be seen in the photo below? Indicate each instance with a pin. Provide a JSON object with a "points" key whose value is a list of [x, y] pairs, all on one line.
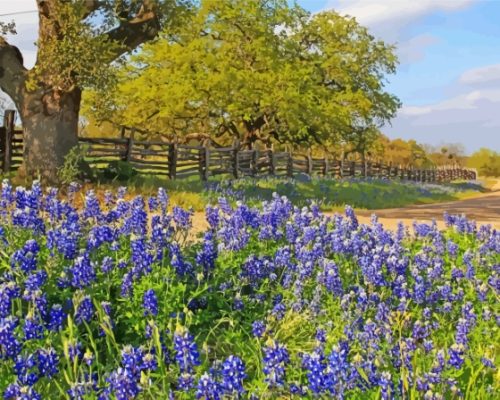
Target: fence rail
{"points": [[178, 161]]}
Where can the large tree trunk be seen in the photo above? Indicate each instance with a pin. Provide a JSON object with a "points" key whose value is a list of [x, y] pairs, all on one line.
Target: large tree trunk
{"points": [[50, 111], [50, 123]]}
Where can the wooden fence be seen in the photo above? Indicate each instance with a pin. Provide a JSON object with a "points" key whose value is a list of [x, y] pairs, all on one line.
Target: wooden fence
{"points": [[178, 161]]}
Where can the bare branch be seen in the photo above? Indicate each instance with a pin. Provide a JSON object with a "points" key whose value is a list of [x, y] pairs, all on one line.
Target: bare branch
{"points": [[91, 6], [132, 33]]}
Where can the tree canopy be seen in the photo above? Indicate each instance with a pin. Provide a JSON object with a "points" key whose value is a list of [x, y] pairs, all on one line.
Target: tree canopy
{"points": [[256, 70]]}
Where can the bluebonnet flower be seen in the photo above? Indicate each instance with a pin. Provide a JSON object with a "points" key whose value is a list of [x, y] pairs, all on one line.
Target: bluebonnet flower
{"points": [[208, 388], [98, 235], [84, 387], [73, 188], [82, 272], [150, 303], [9, 345], [182, 218], [279, 311], [56, 317], [149, 362], [35, 280], [276, 359], [127, 285], [212, 216], [456, 354], [488, 362], [24, 368], [15, 391], [107, 265], [233, 374], [109, 198], [206, 257], [238, 303], [33, 328], [185, 382], [75, 351], [25, 258], [85, 310], [321, 335], [256, 269], [8, 291], [258, 328], [48, 362], [385, 383], [186, 351], [177, 261], [123, 385], [330, 278], [162, 197], [142, 258], [318, 378], [92, 208]]}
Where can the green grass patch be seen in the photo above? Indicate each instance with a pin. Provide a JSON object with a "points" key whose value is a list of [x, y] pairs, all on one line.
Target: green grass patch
{"points": [[330, 194]]}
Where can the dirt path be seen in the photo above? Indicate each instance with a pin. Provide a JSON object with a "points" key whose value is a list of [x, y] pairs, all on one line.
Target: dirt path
{"points": [[484, 209]]}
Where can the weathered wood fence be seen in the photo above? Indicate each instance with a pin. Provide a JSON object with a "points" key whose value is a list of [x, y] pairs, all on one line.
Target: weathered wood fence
{"points": [[179, 161], [11, 143]]}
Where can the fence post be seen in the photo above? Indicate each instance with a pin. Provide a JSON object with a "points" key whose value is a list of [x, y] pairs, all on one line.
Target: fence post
{"points": [[289, 166], [130, 143], [272, 162], [236, 160], [352, 169], [172, 160], [326, 167], [309, 163], [341, 168], [8, 123], [255, 158]]}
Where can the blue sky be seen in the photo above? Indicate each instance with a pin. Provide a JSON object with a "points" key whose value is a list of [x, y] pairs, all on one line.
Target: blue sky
{"points": [[449, 73]]}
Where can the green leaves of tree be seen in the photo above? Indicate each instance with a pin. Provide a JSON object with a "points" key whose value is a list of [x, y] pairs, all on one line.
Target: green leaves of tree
{"points": [[256, 70]]}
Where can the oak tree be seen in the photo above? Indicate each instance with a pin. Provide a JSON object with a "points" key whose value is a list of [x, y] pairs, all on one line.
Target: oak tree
{"points": [[78, 43]]}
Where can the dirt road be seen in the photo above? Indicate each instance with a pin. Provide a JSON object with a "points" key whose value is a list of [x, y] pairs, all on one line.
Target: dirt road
{"points": [[484, 209]]}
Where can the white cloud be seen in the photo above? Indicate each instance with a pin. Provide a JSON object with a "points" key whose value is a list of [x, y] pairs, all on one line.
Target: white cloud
{"points": [[487, 74], [468, 101], [392, 20], [400, 12], [413, 50], [470, 117]]}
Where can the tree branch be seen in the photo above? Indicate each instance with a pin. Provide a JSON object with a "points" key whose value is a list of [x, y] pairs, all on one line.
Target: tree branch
{"points": [[12, 71], [132, 33], [91, 6]]}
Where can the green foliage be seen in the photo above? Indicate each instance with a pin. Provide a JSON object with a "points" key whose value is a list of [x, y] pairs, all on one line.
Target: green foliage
{"points": [[81, 59], [121, 171], [73, 168], [256, 70], [486, 161]]}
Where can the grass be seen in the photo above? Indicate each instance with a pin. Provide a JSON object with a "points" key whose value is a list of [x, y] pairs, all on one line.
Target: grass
{"points": [[330, 194]]}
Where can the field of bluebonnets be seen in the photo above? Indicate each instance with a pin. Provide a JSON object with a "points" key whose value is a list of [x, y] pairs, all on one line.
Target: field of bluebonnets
{"points": [[114, 300]]}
